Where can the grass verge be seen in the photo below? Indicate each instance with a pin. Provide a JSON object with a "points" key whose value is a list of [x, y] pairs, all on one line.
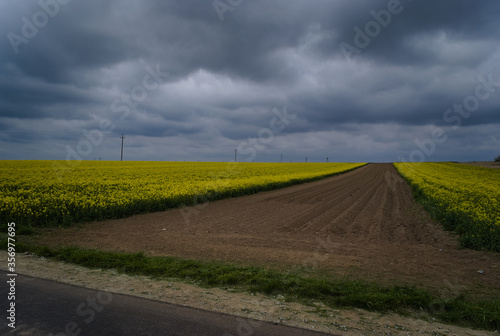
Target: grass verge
{"points": [[333, 293]]}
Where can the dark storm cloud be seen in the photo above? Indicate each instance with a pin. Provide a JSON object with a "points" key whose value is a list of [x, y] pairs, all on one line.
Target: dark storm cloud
{"points": [[89, 60], [411, 37]]}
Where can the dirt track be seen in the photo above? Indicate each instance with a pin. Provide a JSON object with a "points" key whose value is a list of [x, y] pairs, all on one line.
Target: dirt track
{"points": [[363, 224], [485, 164]]}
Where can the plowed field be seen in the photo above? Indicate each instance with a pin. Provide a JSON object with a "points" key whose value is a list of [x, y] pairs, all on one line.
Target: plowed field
{"points": [[363, 224]]}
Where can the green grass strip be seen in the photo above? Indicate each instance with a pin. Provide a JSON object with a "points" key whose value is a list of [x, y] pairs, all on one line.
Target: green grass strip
{"points": [[333, 293]]}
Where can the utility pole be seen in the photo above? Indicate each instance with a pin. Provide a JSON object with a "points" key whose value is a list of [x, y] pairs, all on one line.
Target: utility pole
{"points": [[235, 153], [281, 158], [122, 137]]}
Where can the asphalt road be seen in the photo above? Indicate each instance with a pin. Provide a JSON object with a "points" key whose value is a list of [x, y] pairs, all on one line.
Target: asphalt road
{"points": [[46, 307]]}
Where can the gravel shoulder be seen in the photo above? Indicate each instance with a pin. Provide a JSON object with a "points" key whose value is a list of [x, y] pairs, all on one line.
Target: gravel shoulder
{"points": [[259, 307]]}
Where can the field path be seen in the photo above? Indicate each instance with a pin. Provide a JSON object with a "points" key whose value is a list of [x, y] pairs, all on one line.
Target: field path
{"points": [[363, 224]]}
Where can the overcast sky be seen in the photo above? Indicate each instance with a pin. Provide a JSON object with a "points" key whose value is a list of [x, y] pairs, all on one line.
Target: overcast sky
{"points": [[351, 80]]}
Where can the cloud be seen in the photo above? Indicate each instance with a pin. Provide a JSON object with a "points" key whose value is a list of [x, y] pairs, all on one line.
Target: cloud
{"points": [[226, 77]]}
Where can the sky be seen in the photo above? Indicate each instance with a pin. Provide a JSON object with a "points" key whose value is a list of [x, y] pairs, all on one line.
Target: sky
{"points": [[197, 80]]}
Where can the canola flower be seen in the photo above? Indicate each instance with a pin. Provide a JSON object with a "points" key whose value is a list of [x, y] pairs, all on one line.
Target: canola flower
{"points": [[34, 193], [465, 198]]}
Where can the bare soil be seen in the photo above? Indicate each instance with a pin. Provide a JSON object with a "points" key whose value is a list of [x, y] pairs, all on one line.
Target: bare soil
{"points": [[363, 224], [485, 164]]}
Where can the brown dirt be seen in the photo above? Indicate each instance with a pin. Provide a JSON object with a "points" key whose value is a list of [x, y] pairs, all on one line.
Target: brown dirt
{"points": [[485, 164], [361, 225]]}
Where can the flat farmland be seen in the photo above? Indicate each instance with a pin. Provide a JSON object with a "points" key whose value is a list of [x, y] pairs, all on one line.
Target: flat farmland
{"points": [[363, 224], [59, 193]]}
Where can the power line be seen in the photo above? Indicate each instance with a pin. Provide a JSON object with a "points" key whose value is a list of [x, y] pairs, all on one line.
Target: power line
{"points": [[122, 137]]}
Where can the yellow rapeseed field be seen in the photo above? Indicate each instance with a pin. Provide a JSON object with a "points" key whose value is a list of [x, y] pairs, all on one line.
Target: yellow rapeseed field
{"points": [[38, 193], [465, 198]]}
